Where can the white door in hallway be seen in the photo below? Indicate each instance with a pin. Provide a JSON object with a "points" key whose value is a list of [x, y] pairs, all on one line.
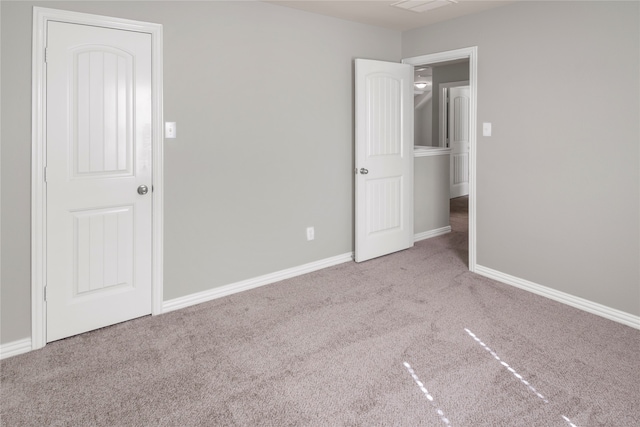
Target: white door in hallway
{"points": [[459, 99], [384, 158], [98, 166]]}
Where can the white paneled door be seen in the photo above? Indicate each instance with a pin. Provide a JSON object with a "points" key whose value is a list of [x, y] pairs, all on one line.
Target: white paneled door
{"points": [[459, 140], [384, 158], [98, 177]]}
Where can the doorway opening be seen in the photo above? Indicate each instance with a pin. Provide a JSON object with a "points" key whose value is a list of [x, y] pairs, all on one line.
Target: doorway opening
{"points": [[465, 62]]}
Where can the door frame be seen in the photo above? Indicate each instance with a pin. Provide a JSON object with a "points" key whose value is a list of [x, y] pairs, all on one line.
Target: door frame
{"points": [[41, 16], [470, 53]]}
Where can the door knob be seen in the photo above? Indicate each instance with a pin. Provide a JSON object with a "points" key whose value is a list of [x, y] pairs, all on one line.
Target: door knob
{"points": [[143, 189], [364, 171]]}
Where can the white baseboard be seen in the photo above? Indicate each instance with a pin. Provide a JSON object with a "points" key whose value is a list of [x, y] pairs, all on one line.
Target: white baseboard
{"points": [[222, 291], [431, 233], [15, 348], [568, 299]]}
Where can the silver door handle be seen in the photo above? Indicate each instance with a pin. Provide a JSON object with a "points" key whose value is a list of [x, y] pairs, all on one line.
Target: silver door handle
{"points": [[364, 171], [143, 189]]}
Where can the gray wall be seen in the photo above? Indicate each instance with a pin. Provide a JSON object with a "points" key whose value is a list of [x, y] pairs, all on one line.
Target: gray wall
{"points": [[263, 99], [422, 121], [444, 74], [558, 182], [430, 193]]}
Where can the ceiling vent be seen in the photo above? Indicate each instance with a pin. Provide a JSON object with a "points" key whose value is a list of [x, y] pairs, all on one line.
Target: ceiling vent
{"points": [[420, 6]]}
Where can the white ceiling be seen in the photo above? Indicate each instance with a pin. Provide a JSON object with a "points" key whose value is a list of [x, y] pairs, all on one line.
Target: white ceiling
{"points": [[380, 12]]}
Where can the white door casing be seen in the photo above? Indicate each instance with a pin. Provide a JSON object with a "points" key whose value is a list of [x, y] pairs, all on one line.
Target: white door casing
{"points": [[97, 115], [459, 100], [384, 158]]}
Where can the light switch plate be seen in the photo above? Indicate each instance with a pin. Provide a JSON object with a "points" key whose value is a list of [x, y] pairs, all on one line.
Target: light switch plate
{"points": [[170, 129], [486, 129]]}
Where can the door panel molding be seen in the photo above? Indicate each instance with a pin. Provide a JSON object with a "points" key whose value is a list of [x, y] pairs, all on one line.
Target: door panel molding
{"points": [[470, 53], [41, 17]]}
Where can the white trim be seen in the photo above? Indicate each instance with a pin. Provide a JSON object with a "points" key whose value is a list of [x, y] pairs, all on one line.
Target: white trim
{"points": [[563, 297], [431, 233], [41, 16], [443, 107], [15, 348], [425, 151], [470, 53], [245, 285], [38, 195]]}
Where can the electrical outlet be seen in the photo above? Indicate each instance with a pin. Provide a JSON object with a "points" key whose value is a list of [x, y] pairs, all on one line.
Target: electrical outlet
{"points": [[311, 234]]}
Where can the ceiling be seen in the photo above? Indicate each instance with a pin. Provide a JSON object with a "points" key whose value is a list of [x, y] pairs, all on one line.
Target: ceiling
{"points": [[380, 12]]}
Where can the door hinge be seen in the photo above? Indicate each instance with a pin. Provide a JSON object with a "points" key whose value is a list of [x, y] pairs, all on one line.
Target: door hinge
{"points": [[46, 54], [44, 173], [45, 293]]}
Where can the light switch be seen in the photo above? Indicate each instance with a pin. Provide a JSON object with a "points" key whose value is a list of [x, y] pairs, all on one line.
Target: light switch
{"points": [[170, 129], [486, 129]]}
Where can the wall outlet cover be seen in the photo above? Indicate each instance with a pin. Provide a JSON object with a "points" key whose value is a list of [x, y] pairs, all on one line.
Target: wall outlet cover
{"points": [[170, 129]]}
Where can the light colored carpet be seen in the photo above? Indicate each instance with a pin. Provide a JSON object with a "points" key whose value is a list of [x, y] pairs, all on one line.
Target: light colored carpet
{"points": [[410, 339]]}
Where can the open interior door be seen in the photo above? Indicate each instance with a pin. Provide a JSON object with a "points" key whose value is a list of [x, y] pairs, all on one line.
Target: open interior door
{"points": [[459, 100], [384, 158]]}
